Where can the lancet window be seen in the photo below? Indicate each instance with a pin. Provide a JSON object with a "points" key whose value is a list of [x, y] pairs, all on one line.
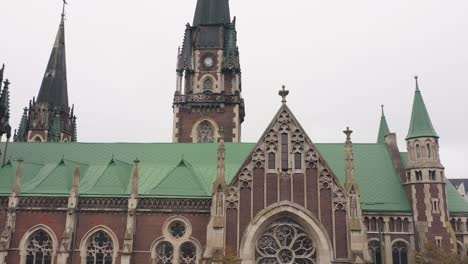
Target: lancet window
{"points": [[400, 253], [376, 251], [39, 248], [100, 249], [165, 253]]}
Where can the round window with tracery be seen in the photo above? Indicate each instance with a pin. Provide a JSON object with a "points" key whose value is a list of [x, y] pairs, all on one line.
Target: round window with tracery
{"points": [[177, 229], [285, 242]]}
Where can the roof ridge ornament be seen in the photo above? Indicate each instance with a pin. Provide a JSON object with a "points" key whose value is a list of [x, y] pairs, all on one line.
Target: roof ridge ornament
{"points": [[283, 93], [417, 83]]}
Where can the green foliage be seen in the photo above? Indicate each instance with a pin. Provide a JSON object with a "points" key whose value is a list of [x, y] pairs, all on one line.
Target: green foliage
{"points": [[436, 255]]}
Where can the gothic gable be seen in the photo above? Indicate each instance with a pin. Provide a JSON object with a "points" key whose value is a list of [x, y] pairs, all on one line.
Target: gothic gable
{"points": [[285, 166]]}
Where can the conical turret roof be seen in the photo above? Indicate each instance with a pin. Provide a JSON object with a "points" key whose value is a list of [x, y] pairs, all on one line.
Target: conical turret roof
{"points": [[383, 129], [421, 125]]}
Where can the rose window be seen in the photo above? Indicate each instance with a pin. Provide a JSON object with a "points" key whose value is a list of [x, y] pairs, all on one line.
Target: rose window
{"points": [[285, 242], [177, 229], [39, 249]]}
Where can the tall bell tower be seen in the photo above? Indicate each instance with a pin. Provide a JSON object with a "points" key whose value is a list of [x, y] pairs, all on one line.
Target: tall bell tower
{"points": [[208, 90], [425, 180]]}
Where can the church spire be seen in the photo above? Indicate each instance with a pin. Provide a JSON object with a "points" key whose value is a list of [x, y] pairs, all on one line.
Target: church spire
{"points": [[383, 129], [54, 84], [212, 12], [421, 125]]}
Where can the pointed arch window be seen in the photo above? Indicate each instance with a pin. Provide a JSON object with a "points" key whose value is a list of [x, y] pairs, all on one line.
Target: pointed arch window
{"points": [[428, 149], [188, 253], [400, 253], [39, 248], [100, 249], [418, 151], [376, 251], [206, 133], [165, 253], [285, 241]]}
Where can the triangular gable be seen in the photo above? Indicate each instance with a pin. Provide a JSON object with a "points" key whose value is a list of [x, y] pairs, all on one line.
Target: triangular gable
{"points": [[284, 121], [113, 179], [182, 181]]}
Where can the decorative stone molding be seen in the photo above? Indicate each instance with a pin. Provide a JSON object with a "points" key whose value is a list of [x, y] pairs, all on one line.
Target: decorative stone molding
{"points": [[339, 199], [245, 179], [284, 121], [311, 158], [171, 204], [325, 180], [42, 202], [208, 98], [232, 198], [298, 140], [99, 203], [271, 140], [258, 159]]}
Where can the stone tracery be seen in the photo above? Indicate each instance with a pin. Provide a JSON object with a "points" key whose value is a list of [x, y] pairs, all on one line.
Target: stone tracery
{"points": [[285, 241]]}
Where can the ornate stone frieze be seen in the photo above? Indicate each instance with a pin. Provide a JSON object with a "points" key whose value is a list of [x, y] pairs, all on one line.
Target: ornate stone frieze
{"points": [[325, 180], [111, 203], [152, 203], [311, 159], [43, 202], [245, 179], [285, 175], [339, 198], [232, 198], [207, 98], [258, 158]]}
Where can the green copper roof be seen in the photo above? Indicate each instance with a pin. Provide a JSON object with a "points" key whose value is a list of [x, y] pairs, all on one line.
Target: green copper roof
{"points": [[212, 12], [383, 129], [376, 175], [421, 125]]}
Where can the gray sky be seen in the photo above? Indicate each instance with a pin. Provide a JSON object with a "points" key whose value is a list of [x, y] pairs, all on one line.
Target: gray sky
{"points": [[340, 60]]}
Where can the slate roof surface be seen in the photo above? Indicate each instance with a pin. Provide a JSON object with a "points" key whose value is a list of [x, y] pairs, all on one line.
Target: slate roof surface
{"points": [[186, 171]]}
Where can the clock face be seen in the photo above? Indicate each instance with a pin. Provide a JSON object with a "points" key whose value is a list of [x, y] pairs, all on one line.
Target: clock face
{"points": [[208, 62]]}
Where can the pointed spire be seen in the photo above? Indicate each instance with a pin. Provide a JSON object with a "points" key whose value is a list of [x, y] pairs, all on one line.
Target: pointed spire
{"points": [[421, 125], [383, 129], [5, 101], [349, 158], [1, 75], [212, 12], [74, 136], [221, 177], [54, 84], [23, 127]]}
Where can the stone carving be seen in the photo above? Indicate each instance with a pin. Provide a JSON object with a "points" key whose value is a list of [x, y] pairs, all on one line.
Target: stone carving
{"points": [[119, 203], [284, 121], [297, 141], [205, 98], [232, 198], [285, 175], [258, 159], [311, 159], [188, 204], [245, 179], [339, 199], [271, 141], [285, 241], [325, 180]]}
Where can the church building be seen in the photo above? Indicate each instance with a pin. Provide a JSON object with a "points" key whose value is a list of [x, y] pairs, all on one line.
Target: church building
{"points": [[207, 197]]}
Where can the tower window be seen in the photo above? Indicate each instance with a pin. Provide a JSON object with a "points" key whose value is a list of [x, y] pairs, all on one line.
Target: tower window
{"points": [[208, 84], [435, 205], [419, 175], [297, 161], [418, 151], [432, 175], [428, 147], [205, 133], [408, 176], [271, 161], [284, 152]]}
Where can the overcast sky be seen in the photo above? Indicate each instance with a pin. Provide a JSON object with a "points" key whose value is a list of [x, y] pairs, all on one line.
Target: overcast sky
{"points": [[340, 60]]}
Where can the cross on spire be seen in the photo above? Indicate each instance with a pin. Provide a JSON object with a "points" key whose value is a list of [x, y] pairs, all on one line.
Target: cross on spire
{"points": [[63, 7], [283, 93]]}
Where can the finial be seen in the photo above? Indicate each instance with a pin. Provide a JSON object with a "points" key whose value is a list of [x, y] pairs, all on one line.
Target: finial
{"points": [[221, 133], [283, 93], [6, 82], [136, 161], [348, 133], [417, 84], [383, 114]]}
